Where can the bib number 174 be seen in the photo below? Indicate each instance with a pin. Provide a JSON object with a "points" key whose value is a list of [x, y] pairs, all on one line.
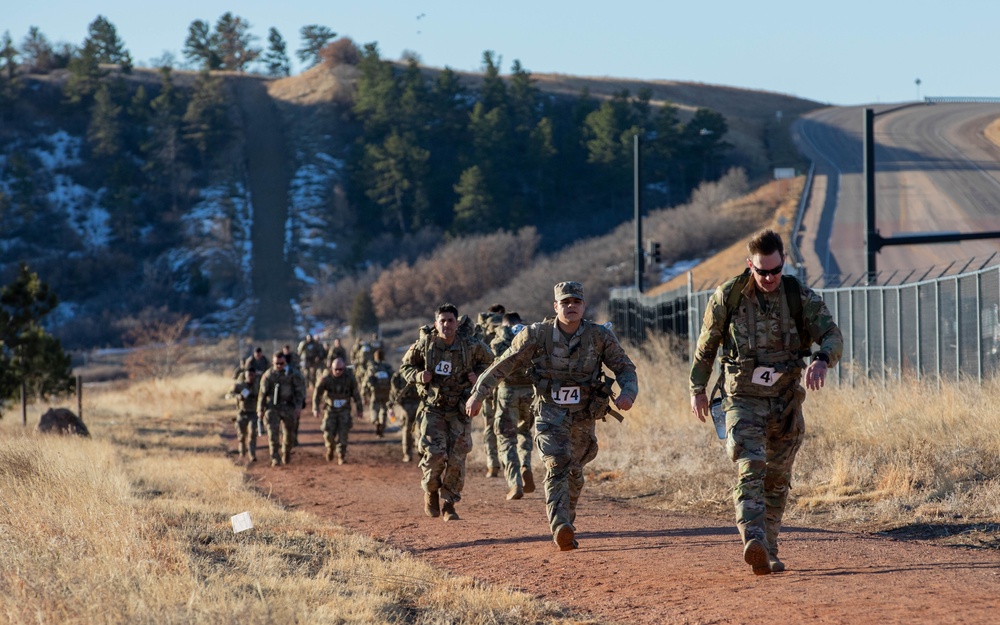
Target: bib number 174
{"points": [[566, 395]]}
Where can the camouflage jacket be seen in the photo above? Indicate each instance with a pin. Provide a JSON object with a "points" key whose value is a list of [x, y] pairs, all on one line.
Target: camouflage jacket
{"points": [[517, 379], [335, 392], [335, 353], [245, 395], [402, 392], [286, 389], [565, 371], [378, 380], [260, 365], [774, 345], [450, 365]]}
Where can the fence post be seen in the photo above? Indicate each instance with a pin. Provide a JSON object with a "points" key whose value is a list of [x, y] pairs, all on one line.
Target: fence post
{"points": [[937, 328], [958, 331], [79, 396], [24, 404], [979, 327]]}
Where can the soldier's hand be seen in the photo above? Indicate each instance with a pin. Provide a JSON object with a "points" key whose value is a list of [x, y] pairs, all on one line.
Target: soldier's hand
{"points": [[699, 406], [816, 375], [623, 402], [426, 376], [472, 406]]}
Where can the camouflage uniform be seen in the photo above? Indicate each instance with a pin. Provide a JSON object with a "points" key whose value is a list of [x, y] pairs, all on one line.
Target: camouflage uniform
{"points": [[486, 329], [335, 352], [378, 383], [334, 394], [514, 417], [361, 358], [444, 428], [567, 377], [405, 396], [281, 396], [245, 394], [260, 365], [764, 424], [311, 355]]}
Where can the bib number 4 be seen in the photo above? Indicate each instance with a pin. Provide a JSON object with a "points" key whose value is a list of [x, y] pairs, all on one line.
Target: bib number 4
{"points": [[765, 376], [567, 395]]}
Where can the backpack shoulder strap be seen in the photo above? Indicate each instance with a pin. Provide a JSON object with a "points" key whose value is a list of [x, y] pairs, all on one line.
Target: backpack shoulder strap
{"points": [[793, 293]]}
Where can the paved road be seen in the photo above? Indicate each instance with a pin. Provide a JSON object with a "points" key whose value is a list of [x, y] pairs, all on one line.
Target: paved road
{"points": [[935, 171]]}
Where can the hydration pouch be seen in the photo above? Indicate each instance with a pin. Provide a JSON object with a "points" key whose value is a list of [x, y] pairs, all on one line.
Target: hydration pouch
{"points": [[718, 417]]}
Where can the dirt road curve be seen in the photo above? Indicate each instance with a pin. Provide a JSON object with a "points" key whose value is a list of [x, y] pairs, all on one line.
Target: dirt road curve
{"points": [[635, 565]]}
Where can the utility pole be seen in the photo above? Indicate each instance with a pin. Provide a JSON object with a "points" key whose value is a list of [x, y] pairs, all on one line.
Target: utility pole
{"points": [[637, 192]]}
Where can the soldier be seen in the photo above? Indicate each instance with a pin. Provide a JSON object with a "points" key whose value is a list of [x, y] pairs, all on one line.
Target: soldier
{"points": [[361, 357], [336, 351], [766, 327], [279, 402], [291, 360], [404, 395], [514, 417], [378, 383], [245, 394], [335, 390], [567, 354], [444, 363], [487, 325], [257, 361], [311, 354]]}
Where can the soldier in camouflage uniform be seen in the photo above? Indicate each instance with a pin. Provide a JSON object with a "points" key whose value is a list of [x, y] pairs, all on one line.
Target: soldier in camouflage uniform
{"points": [[487, 327], [514, 418], [378, 383], [245, 394], [334, 391], [279, 403], [404, 395], [444, 363], [257, 361], [336, 351], [765, 334], [361, 359], [311, 355], [567, 355]]}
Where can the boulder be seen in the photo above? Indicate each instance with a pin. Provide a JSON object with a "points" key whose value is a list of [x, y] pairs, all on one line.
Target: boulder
{"points": [[62, 421]]}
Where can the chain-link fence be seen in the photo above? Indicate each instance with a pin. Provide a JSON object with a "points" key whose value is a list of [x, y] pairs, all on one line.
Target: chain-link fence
{"points": [[946, 328]]}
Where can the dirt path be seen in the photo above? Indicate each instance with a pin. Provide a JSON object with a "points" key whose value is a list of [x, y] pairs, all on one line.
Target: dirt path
{"points": [[269, 178], [635, 565]]}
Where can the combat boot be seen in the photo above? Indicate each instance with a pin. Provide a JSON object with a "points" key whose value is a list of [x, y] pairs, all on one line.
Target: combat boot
{"points": [[492, 472], [755, 554], [286, 456], [448, 511], [329, 454], [776, 565], [275, 462], [431, 505], [515, 493], [243, 449], [341, 458], [564, 538], [407, 458], [379, 430], [528, 479]]}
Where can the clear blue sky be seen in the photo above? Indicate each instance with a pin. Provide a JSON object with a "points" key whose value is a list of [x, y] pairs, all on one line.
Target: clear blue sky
{"points": [[831, 52]]}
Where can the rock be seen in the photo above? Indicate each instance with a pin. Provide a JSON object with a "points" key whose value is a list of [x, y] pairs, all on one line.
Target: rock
{"points": [[62, 421]]}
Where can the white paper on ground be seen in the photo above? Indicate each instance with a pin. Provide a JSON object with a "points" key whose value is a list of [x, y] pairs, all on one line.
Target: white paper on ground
{"points": [[242, 522]]}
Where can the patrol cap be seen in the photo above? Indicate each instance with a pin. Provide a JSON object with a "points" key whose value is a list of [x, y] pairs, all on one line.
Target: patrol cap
{"points": [[564, 290]]}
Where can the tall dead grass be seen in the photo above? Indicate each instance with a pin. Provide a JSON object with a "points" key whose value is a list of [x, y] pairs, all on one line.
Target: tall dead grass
{"points": [[874, 456], [133, 526]]}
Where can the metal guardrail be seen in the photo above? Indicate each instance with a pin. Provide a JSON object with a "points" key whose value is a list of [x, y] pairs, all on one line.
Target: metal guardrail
{"points": [[944, 328], [973, 99]]}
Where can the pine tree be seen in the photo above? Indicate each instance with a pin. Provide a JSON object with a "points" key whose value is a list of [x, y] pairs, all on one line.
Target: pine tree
{"points": [[235, 49], [29, 355], [85, 75], [363, 318], [475, 210], [397, 169], [37, 51], [8, 56], [10, 85], [163, 149], [276, 58], [108, 47], [376, 95], [105, 130], [206, 121], [201, 46], [314, 39]]}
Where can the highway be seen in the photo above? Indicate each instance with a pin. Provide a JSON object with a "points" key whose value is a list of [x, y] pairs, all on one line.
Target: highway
{"points": [[935, 172]]}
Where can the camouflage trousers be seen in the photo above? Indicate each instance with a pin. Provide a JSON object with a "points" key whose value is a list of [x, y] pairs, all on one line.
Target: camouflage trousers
{"points": [[567, 441], [280, 431], [336, 425], [406, 425], [380, 411], [246, 433], [489, 412], [763, 446], [445, 440], [514, 419]]}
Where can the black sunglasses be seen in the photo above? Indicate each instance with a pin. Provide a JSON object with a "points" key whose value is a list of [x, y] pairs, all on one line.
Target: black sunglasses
{"points": [[768, 272]]}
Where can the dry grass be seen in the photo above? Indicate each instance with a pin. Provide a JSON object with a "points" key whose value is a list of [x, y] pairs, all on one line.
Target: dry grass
{"points": [[874, 457], [133, 526]]}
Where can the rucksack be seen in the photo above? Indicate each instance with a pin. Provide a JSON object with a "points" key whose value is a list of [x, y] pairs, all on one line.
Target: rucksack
{"points": [[793, 295]]}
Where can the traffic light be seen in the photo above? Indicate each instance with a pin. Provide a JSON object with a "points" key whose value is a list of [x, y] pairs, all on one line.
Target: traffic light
{"points": [[652, 252]]}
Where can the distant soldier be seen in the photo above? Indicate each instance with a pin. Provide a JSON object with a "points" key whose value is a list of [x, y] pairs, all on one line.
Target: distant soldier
{"points": [[245, 393], [444, 363], [766, 325], [257, 361], [405, 396], [279, 403], [333, 394], [311, 354], [291, 359], [514, 417], [378, 384], [487, 325], [361, 358], [567, 355], [336, 351]]}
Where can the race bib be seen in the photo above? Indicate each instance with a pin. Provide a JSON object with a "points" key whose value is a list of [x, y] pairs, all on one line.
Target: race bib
{"points": [[339, 403], [245, 392], [765, 376], [443, 368], [566, 396], [382, 375]]}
